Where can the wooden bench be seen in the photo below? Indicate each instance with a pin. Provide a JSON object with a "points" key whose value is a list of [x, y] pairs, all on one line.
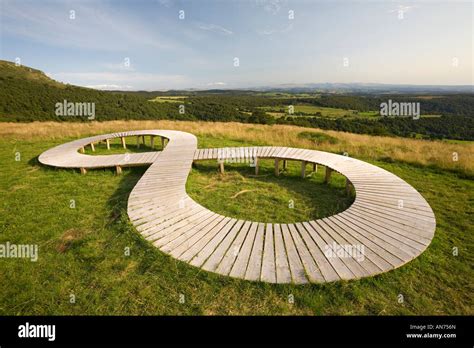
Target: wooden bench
{"points": [[389, 223]]}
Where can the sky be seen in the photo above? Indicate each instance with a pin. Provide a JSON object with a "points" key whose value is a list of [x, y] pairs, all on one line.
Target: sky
{"points": [[202, 44]]}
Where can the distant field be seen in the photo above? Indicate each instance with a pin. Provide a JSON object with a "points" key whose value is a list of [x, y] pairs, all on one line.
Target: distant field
{"points": [[428, 116], [312, 110], [452, 141], [290, 95], [428, 97], [169, 99], [319, 111]]}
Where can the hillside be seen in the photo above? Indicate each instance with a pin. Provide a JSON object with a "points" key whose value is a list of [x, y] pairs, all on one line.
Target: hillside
{"points": [[9, 72], [27, 94]]}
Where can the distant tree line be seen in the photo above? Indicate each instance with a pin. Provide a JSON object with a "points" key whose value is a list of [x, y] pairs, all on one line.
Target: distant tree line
{"points": [[449, 127], [452, 105]]}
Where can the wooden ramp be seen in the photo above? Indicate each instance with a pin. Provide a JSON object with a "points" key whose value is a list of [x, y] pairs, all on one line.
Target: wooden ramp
{"points": [[388, 224]]}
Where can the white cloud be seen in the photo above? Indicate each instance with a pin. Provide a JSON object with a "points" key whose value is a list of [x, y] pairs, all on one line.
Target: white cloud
{"points": [[271, 6], [287, 29], [118, 66], [402, 8], [215, 28], [217, 84], [111, 87], [165, 3], [123, 79]]}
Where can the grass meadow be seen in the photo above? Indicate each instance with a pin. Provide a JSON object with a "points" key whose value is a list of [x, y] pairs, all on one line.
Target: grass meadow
{"points": [[81, 227], [282, 110]]}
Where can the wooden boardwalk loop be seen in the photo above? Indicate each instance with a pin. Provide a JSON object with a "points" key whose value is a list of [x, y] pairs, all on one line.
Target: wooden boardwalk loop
{"points": [[388, 224]]}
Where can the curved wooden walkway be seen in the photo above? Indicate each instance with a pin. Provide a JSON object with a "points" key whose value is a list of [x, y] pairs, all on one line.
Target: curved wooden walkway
{"points": [[388, 224]]}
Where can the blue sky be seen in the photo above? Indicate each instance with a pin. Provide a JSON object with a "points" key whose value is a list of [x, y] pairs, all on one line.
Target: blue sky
{"points": [[422, 42]]}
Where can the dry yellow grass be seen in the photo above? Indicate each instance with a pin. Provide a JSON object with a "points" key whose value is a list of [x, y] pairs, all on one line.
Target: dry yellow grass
{"points": [[436, 153]]}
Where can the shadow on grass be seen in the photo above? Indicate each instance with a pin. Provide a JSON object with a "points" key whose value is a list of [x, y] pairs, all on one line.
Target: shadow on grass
{"points": [[35, 162], [118, 149], [324, 200], [117, 203]]}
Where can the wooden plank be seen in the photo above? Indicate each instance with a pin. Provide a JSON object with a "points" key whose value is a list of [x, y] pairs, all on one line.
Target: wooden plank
{"points": [[240, 266], [169, 227], [296, 267], [311, 269], [410, 237], [341, 269], [281, 260], [209, 248], [393, 250], [191, 243], [233, 251], [213, 261], [333, 240], [324, 266], [367, 258], [172, 236], [255, 261], [268, 265]]}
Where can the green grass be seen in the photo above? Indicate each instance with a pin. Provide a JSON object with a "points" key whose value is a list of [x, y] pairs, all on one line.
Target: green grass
{"points": [[81, 250], [453, 141], [267, 198], [321, 111], [318, 137], [169, 99], [367, 113], [289, 95], [11, 71]]}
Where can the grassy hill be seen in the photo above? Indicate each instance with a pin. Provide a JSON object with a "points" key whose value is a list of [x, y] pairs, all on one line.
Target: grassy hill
{"points": [[27, 94], [10, 72]]}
